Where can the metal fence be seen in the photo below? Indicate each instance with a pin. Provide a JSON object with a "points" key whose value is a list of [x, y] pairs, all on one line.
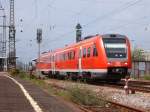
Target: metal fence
{"points": [[140, 69], [22, 66]]}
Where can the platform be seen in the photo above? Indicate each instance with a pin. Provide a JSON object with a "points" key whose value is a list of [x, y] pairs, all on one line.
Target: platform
{"points": [[12, 99]]}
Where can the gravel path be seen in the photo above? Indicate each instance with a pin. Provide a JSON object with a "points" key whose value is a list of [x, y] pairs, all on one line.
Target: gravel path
{"points": [[139, 100]]}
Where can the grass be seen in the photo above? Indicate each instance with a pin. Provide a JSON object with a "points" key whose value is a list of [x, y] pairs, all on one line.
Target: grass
{"points": [[146, 77], [143, 77], [84, 96], [76, 94]]}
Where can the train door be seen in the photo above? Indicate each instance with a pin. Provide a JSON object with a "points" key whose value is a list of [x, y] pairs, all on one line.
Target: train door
{"points": [[53, 64], [80, 61]]}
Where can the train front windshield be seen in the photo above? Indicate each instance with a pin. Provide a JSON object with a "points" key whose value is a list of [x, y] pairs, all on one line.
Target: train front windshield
{"points": [[115, 48]]}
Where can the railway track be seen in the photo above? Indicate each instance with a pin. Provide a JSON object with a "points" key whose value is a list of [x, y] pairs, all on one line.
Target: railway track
{"points": [[110, 107], [113, 107], [125, 108], [140, 86], [134, 85], [140, 82]]}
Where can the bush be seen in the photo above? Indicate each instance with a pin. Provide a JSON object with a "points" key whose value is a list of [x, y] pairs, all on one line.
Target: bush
{"points": [[147, 77], [39, 82], [19, 73], [85, 96], [14, 72]]}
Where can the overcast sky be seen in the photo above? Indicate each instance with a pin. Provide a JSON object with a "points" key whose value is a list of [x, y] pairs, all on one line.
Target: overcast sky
{"points": [[58, 19]]}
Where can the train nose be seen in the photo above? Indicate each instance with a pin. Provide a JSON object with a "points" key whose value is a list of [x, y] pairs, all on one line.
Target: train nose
{"points": [[117, 63], [114, 63]]}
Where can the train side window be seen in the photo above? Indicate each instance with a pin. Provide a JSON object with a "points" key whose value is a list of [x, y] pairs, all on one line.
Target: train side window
{"points": [[88, 52], [53, 58], [68, 55], [56, 58], [95, 53], [59, 57], [50, 59], [84, 52], [73, 54], [63, 56]]}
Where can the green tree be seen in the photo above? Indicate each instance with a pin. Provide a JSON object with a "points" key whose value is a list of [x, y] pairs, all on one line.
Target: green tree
{"points": [[138, 55]]}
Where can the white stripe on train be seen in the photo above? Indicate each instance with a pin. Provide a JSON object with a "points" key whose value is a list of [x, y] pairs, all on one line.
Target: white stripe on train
{"points": [[76, 70]]}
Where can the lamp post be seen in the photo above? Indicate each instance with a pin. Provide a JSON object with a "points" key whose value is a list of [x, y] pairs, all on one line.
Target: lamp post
{"points": [[39, 40]]}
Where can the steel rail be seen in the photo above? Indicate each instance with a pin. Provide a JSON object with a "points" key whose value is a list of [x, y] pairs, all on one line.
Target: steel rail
{"points": [[133, 109], [91, 108]]}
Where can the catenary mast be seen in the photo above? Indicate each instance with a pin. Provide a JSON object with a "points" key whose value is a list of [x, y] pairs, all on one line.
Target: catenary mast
{"points": [[12, 31]]}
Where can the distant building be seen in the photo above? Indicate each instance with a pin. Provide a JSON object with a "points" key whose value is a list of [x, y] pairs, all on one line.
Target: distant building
{"points": [[141, 68], [147, 55]]}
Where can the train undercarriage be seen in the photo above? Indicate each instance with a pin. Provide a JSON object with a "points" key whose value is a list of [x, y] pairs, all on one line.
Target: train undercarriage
{"points": [[113, 74]]}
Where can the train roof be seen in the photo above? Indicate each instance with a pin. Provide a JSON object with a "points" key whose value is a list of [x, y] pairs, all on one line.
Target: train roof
{"points": [[85, 40], [78, 43], [105, 36], [113, 36], [93, 37], [44, 54]]}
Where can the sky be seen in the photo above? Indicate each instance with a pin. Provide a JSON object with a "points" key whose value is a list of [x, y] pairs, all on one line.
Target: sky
{"points": [[58, 19]]}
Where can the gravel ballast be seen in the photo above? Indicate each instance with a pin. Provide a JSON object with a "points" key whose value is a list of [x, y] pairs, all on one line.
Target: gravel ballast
{"points": [[138, 100]]}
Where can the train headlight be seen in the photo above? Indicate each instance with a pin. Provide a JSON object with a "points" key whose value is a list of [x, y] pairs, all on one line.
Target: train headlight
{"points": [[125, 63], [108, 63]]}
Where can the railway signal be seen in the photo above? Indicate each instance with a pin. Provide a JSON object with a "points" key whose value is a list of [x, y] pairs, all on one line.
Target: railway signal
{"points": [[39, 40], [78, 32], [39, 36]]}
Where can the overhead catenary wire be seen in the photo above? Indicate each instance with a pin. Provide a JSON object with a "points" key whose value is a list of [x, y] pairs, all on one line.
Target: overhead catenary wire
{"points": [[126, 5], [115, 11], [135, 22], [36, 17], [76, 13]]}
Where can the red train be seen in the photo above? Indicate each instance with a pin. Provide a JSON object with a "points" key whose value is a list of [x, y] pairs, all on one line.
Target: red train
{"points": [[105, 57]]}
